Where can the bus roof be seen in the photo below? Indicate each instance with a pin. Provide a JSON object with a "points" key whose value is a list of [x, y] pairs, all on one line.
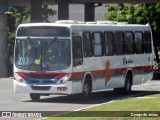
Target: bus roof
{"points": [[94, 26]]}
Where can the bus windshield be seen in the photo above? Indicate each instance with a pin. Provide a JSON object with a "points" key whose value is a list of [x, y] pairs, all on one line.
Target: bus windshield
{"points": [[42, 54]]}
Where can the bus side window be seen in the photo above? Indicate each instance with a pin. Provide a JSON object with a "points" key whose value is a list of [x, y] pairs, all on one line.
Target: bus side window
{"points": [[97, 43], [129, 42], [147, 42], [138, 42], [109, 43], [118, 37], [77, 50], [87, 44]]}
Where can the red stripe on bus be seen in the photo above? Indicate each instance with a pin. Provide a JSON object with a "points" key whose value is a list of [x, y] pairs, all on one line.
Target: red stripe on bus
{"points": [[78, 74], [112, 71], [98, 72], [81, 74], [41, 74]]}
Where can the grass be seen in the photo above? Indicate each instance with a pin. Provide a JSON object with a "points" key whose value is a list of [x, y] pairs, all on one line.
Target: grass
{"points": [[118, 110]]}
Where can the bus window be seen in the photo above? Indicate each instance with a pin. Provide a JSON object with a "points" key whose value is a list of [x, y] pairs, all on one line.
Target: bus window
{"points": [[118, 37], [87, 44], [138, 42], [77, 51], [97, 44], [129, 43], [109, 41], [147, 42]]}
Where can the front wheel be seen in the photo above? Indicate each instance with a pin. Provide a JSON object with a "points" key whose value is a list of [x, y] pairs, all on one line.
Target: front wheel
{"points": [[35, 96]]}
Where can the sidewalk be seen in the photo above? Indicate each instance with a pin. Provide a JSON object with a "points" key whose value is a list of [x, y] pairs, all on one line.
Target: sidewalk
{"points": [[5, 78]]}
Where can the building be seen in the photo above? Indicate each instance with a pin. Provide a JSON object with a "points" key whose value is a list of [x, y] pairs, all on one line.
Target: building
{"points": [[76, 12]]}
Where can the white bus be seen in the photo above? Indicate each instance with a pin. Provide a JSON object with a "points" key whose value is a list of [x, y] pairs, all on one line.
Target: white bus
{"points": [[81, 58]]}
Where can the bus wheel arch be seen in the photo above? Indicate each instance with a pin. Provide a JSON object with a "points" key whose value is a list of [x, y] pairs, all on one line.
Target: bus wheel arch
{"points": [[87, 86]]}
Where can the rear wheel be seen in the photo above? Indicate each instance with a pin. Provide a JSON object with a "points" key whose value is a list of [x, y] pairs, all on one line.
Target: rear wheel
{"points": [[128, 84], [35, 96], [127, 87], [86, 89]]}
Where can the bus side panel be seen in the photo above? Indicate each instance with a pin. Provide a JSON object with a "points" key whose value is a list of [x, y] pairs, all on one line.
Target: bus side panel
{"points": [[136, 64], [115, 74], [77, 80], [94, 66], [148, 57], [148, 67]]}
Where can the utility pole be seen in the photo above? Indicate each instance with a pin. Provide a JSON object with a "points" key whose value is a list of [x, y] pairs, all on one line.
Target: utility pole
{"points": [[89, 12], [3, 40], [36, 11], [63, 9]]}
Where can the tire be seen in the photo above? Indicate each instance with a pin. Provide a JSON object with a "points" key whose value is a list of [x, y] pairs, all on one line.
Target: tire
{"points": [[35, 96], [128, 84], [86, 89], [127, 87]]}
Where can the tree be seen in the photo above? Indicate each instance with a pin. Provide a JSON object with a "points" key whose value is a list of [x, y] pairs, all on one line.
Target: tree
{"points": [[135, 14], [138, 14], [47, 12], [21, 14]]}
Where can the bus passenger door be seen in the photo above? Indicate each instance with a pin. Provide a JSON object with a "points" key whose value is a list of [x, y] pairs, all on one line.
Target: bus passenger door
{"points": [[148, 57], [78, 73]]}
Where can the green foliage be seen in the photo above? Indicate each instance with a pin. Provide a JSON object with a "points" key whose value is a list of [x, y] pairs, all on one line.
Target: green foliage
{"points": [[120, 108], [47, 12], [21, 14], [135, 14]]}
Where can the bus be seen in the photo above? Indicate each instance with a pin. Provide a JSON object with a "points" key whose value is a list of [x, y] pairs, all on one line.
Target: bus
{"points": [[71, 57]]}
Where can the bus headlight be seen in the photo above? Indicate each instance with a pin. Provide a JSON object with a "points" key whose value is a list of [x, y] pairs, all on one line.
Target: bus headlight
{"points": [[64, 79], [19, 78]]}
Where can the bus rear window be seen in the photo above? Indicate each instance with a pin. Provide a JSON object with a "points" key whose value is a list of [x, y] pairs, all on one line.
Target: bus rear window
{"points": [[43, 31]]}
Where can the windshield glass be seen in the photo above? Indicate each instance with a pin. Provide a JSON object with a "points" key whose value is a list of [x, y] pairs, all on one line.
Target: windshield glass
{"points": [[42, 54]]}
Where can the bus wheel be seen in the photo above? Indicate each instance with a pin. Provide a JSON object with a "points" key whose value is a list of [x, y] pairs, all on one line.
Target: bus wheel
{"points": [[86, 89], [35, 96], [127, 87], [128, 84]]}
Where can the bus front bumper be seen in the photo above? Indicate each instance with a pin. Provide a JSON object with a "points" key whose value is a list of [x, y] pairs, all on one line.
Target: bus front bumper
{"points": [[43, 89]]}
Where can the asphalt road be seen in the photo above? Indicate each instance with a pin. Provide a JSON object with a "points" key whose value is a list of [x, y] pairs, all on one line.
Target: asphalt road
{"points": [[22, 102]]}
